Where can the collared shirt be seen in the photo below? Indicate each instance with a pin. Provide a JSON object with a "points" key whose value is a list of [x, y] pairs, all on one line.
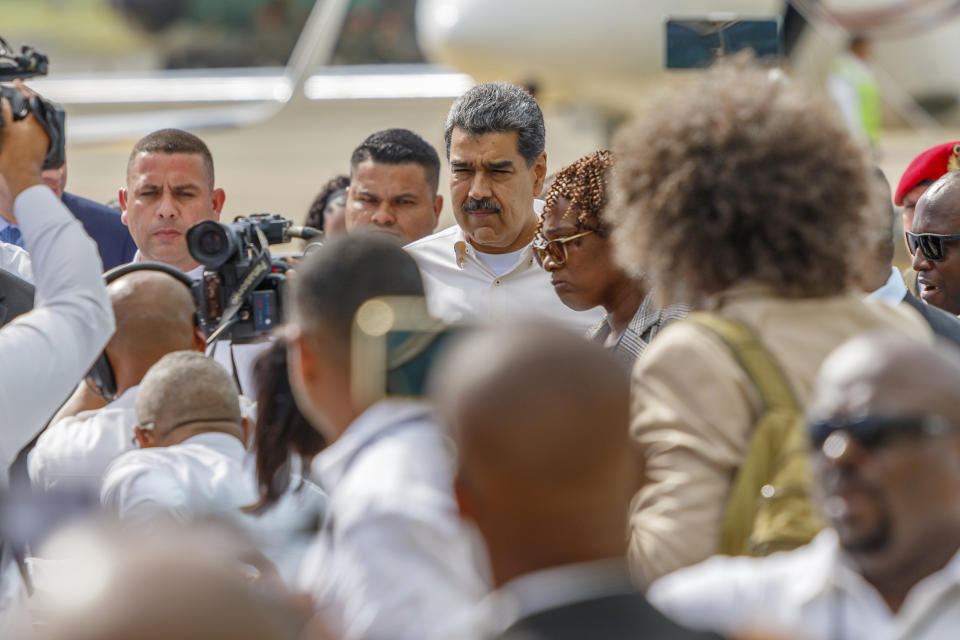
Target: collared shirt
{"points": [[393, 560], [210, 474], [74, 452], [538, 591], [892, 291], [645, 325], [461, 288], [46, 352], [4, 225], [813, 592], [16, 261]]}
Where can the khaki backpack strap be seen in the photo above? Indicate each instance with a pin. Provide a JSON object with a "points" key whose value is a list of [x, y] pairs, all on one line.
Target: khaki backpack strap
{"points": [[773, 439], [762, 370]]}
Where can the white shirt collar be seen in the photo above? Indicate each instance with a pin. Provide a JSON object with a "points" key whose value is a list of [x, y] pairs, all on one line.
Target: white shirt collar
{"points": [[195, 274], [893, 291], [554, 587], [332, 463]]}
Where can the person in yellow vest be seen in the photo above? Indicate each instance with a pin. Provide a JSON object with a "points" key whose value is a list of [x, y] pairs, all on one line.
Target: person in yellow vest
{"points": [[853, 88]]}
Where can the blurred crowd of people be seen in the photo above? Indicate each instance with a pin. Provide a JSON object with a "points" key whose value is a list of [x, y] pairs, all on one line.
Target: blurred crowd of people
{"points": [[676, 389]]}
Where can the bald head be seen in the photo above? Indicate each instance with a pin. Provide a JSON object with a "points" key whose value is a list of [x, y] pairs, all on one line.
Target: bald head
{"points": [[943, 196], [187, 387], [540, 417], [187, 585], [154, 314], [889, 373]]}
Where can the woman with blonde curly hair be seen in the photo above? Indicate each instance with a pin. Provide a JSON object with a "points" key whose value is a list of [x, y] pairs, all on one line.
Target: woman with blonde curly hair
{"points": [[741, 193]]}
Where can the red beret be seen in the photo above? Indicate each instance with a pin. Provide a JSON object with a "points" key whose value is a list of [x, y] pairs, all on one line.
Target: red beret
{"points": [[929, 165]]}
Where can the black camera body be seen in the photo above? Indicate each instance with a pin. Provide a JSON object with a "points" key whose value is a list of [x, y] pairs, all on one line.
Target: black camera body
{"points": [[27, 64], [242, 295]]}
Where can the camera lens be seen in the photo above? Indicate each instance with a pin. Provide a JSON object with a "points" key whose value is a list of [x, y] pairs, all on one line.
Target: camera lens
{"points": [[211, 243]]}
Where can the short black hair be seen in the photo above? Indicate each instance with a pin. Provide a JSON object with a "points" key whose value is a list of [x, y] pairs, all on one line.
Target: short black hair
{"points": [[399, 146], [173, 141], [334, 281]]}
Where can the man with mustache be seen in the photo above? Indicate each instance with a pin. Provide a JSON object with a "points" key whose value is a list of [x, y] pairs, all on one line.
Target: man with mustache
{"points": [[483, 268], [170, 187], [885, 430], [933, 243]]}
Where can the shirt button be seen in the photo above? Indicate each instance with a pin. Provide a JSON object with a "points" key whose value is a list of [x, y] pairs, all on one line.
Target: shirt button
{"points": [[498, 282]]}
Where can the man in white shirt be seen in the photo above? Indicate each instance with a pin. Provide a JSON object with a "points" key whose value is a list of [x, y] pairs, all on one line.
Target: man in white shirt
{"points": [[46, 351], [193, 462], [155, 316], [394, 176], [549, 496], [885, 425], [482, 269], [392, 559], [169, 188]]}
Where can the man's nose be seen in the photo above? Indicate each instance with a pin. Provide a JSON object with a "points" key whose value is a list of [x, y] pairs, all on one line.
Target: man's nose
{"points": [[551, 264], [919, 261], [167, 208], [383, 216], [479, 187]]}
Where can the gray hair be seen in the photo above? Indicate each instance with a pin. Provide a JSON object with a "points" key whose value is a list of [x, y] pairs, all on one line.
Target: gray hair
{"points": [[187, 385], [498, 107]]}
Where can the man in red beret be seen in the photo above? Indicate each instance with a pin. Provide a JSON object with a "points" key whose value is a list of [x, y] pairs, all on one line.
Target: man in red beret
{"points": [[922, 172]]}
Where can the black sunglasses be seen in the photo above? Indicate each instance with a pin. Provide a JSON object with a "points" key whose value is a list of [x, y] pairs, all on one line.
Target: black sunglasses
{"points": [[872, 432], [931, 244]]}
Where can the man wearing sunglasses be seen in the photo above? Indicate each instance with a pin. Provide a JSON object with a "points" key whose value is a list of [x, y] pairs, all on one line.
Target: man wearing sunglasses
{"points": [[885, 435], [933, 243]]}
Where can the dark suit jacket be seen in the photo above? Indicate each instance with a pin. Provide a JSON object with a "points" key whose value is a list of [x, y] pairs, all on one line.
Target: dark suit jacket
{"points": [[103, 225], [16, 296], [944, 324], [625, 616]]}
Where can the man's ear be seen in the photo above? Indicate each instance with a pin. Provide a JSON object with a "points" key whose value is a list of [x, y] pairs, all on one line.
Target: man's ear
{"points": [[218, 197], [199, 340], [437, 208], [122, 196], [539, 170], [465, 502], [145, 438]]}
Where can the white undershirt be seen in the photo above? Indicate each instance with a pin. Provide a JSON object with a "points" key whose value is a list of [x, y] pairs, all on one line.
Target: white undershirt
{"points": [[499, 263]]}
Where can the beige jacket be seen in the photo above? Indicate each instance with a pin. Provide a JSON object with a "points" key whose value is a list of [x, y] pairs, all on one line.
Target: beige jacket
{"points": [[693, 407]]}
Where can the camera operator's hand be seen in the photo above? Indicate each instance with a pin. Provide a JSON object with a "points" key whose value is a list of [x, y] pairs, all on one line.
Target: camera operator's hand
{"points": [[23, 147]]}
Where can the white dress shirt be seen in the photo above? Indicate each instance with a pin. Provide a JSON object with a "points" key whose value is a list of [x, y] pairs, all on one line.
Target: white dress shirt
{"points": [[812, 592], [893, 290], [211, 474], [460, 287], [47, 351], [16, 261], [392, 560], [73, 453]]}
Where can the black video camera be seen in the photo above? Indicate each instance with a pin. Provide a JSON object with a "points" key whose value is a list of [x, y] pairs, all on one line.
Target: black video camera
{"points": [[242, 293], [27, 64]]}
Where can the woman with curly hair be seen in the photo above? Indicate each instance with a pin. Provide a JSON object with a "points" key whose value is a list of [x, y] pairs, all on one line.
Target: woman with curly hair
{"points": [[327, 209], [573, 245], [741, 193]]}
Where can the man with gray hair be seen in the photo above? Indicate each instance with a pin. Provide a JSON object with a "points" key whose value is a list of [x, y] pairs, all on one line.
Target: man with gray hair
{"points": [[193, 463], [482, 269]]}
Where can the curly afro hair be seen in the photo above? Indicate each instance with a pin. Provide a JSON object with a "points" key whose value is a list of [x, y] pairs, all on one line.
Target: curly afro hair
{"points": [[584, 184], [741, 175]]}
